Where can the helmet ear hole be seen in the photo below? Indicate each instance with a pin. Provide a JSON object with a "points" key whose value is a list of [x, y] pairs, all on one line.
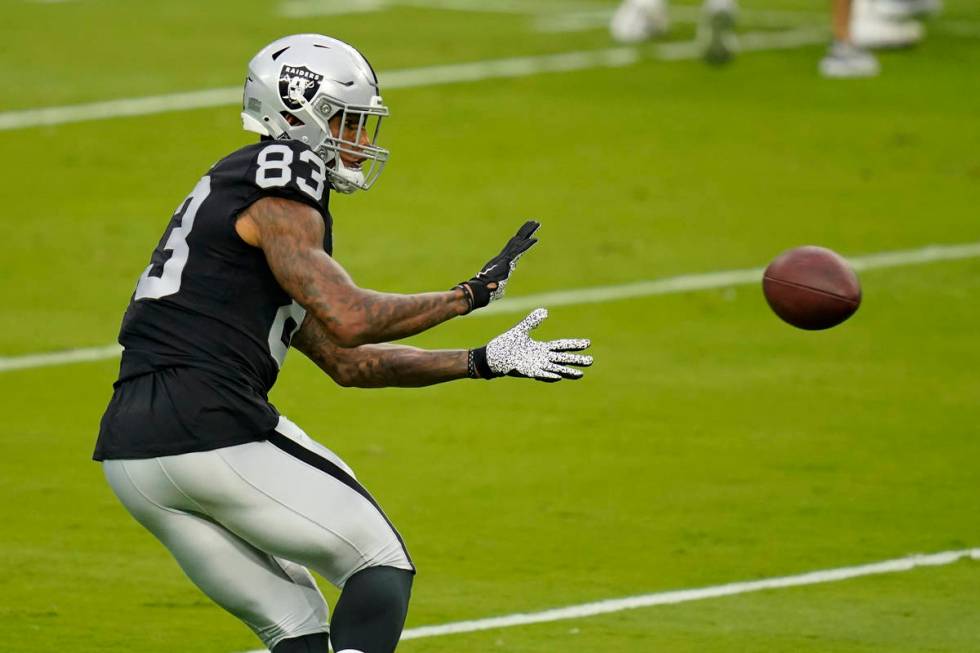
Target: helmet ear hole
{"points": [[292, 119]]}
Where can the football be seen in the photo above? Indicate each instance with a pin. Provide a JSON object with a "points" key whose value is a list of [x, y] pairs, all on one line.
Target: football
{"points": [[811, 288]]}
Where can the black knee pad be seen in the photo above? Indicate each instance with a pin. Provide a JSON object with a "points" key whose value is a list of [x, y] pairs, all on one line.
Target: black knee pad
{"points": [[384, 586], [371, 611]]}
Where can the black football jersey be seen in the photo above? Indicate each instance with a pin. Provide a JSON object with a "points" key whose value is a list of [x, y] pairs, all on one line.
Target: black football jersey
{"points": [[209, 306]]}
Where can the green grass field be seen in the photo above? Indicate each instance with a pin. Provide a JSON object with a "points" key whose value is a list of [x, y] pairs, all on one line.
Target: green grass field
{"points": [[710, 443]]}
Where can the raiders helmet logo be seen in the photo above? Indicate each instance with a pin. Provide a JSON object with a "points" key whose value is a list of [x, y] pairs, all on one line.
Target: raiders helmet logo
{"points": [[298, 82]]}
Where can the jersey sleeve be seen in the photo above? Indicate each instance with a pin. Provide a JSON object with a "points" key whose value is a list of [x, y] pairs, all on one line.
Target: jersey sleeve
{"points": [[288, 169]]}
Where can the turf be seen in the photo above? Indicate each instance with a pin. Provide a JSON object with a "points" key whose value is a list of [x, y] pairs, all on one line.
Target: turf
{"points": [[710, 443]]}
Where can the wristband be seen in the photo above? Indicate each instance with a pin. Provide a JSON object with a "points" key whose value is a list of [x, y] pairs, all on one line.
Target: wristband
{"points": [[468, 294], [477, 366], [477, 293]]}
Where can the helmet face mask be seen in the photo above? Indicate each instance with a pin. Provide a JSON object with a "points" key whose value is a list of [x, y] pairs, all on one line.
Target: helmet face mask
{"points": [[323, 92], [351, 133]]}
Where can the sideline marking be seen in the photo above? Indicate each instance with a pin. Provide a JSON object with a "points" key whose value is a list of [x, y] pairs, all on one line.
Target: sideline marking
{"points": [[408, 78], [699, 594], [670, 285]]}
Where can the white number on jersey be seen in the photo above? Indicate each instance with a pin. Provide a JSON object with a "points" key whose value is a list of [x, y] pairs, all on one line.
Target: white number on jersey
{"points": [[168, 282], [288, 320], [276, 172], [318, 175]]}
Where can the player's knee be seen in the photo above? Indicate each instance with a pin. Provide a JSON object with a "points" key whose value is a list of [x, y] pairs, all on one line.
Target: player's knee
{"points": [[380, 590], [371, 611]]}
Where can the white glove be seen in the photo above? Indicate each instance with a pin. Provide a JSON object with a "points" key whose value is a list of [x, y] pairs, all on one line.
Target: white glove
{"points": [[514, 353]]}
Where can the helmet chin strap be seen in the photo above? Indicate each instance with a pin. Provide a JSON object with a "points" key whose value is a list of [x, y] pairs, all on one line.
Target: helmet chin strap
{"points": [[345, 180], [342, 179]]}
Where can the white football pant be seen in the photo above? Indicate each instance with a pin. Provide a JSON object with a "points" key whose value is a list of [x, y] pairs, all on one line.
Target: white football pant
{"points": [[245, 522]]}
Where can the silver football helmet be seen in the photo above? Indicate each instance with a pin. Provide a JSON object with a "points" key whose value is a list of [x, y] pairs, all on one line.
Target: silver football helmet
{"points": [[297, 85]]}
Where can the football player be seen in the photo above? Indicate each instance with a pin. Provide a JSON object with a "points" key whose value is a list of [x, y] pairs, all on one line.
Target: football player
{"points": [[244, 500]]}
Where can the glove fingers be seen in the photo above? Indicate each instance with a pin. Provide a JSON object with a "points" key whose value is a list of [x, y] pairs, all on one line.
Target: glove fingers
{"points": [[528, 228], [569, 344], [571, 359], [565, 372], [522, 241], [547, 377], [523, 246], [516, 247], [532, 321]]}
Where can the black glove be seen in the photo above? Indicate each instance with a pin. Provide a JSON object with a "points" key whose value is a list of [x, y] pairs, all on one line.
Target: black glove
{"points": [[489, 283]]}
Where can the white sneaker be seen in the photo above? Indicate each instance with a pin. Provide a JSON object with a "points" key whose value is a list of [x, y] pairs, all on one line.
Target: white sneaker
{"points": [[716, 33], [871, 30], [639, 20], [905, 9], [843, 61]]}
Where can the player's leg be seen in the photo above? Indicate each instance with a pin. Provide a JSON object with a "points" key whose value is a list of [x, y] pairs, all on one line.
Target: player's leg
{"points": [[368, 618], [275, 598], [295, 499], [639, 20], [318, 643], [371, 611], [716, 31]]}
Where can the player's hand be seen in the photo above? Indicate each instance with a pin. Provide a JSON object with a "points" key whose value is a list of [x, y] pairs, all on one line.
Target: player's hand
{"points": [[514, 353], [489, 282]]}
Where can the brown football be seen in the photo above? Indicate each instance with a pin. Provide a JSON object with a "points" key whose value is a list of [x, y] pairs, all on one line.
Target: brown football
{"points": [[811, 287]]}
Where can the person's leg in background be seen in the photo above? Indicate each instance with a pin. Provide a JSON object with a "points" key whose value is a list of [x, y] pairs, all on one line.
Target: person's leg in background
{"points": [[716, 31], [639, 20], [843, 58]]}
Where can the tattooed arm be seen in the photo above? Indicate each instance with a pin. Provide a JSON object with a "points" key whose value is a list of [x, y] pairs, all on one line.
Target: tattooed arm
{"points": [[291, 235], [378, 366]]}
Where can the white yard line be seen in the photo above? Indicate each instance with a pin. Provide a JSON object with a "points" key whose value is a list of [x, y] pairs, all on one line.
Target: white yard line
{"points": [[522, 7], [712, 280], [598, 294], [544, 16], [597, 18], [609, 606], [310, 8], [966, 28], [405, 78], [83, 355]]}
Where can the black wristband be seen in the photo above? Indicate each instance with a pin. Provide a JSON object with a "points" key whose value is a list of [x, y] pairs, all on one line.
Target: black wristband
{"points": [[468, 294], [477, 366], [477, 292]]}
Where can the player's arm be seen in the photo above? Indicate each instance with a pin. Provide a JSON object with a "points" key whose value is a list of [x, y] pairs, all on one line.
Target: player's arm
{"points": [[290, 234], [512, 353], [379, 365]]}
